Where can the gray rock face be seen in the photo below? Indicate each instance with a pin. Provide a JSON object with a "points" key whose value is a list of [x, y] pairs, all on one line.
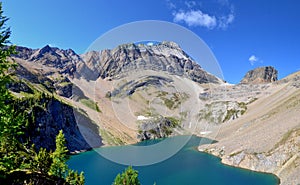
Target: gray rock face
{"points": [[222, 111], [47, 115], [63, 87], [260, 75], [19, 86], [130, 87], [158, 127], [166, 56], [49, 120], [115, 63]]}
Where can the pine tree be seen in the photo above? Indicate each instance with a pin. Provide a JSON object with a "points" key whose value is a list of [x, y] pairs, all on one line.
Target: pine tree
{"points": [[15, 157], [128, 177], [73, 178], [10, 120], [42, 161], [59, 157]]}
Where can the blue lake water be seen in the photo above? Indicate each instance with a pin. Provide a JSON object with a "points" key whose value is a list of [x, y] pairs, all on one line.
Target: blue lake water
{"points": [[186, 167]]}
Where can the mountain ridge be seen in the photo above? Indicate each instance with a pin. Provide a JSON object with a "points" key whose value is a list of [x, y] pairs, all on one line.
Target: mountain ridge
{"points": [[166, 56]]}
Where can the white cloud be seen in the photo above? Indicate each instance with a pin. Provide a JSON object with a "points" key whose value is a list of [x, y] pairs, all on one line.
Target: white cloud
{"points": [[193, 16], [252, 59], [196, 18], [190, 4], [170, 4], [224, 2], [224, 21]]}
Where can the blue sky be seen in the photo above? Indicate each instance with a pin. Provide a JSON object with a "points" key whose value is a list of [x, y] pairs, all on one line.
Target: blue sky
{"points": [[243, 34]]}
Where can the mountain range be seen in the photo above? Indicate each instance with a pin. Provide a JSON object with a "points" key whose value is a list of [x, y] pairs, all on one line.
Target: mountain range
{"points": [[137, 92]]}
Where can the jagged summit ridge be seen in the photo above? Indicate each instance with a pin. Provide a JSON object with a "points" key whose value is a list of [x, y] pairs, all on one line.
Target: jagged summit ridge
{"points": [[165, 57], [166, 48]]}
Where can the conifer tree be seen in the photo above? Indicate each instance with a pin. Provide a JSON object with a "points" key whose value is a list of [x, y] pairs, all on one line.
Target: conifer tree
{"points": [[14, 155], [59, 157], [128, 177], [10, 120]]}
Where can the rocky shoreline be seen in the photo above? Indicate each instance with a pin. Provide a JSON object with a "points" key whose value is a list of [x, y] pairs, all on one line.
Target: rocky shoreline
{"points": [[284, 165], [225, 161]]}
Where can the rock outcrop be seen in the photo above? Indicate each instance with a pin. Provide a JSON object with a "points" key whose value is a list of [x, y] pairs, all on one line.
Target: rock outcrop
{"points": [[260, 75], [157, 127], [222, 111]]}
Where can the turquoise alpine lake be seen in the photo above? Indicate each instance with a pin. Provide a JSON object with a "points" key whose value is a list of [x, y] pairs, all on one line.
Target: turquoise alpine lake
{"points": [[186, 167]]}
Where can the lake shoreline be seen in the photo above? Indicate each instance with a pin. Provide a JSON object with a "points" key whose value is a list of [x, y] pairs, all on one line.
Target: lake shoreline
{"points": [[227, 164], [195, 148], [223, 161]]}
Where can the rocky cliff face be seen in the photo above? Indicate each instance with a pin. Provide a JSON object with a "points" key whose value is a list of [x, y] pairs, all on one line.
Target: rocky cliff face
{"points": [[49, 120], [41, 97], [166, 56], [260, 75], [157, 127], [47, 115]]}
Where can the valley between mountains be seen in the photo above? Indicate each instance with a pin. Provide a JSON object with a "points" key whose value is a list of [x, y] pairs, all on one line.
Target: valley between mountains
{"points": [[138, 92]]}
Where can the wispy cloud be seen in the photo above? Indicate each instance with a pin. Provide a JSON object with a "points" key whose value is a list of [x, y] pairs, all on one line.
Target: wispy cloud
{"points": [[170, 4], [193, 16], [224, 2], [196, 18], [253, 59], [225, 21], [190, 4]]}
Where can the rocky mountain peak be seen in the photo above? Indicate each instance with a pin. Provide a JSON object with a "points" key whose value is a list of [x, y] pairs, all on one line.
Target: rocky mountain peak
{"points": [[266, 74], [45, 49], [171, 44], [165, 57]]}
